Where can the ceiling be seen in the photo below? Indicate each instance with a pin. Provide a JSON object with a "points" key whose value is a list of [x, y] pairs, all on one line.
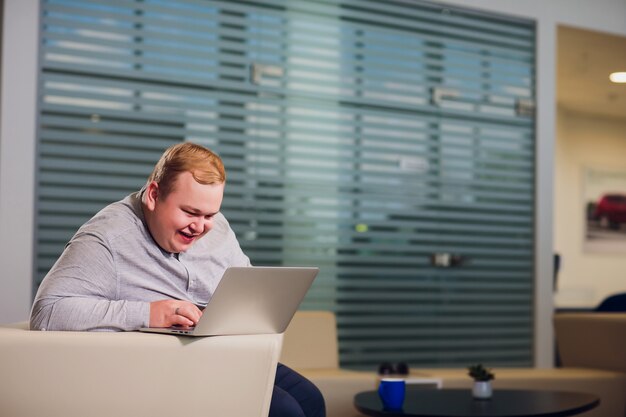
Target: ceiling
{"points": [[585, 60]]}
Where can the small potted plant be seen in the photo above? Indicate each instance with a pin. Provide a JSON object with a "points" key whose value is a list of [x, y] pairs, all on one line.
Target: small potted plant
{"points": [[482, 381]]}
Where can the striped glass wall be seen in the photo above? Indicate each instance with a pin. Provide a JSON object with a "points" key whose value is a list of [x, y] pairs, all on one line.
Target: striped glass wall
{"points": [[390, 143]]}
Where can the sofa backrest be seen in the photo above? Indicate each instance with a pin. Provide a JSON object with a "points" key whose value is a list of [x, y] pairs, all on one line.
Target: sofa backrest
{"points": [[592, 340], [310, 341]]}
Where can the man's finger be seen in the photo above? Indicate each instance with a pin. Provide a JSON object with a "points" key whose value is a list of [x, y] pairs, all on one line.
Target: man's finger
{"points": [[192, 312], [183, 321], [183, 318]]}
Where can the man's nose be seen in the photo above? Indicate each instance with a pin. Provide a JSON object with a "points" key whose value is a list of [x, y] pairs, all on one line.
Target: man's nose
{"points": [[200, 225], [194, 226]]}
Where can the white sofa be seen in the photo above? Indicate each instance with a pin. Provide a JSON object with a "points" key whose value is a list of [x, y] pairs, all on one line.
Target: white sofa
{"points": [[593, 352], [78, 374]]}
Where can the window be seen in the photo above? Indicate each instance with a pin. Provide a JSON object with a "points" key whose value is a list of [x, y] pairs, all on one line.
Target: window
{"points": [[376, 140]]}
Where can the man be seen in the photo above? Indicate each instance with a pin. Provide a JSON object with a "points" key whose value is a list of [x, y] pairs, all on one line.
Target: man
{"points": [[154, 259]]}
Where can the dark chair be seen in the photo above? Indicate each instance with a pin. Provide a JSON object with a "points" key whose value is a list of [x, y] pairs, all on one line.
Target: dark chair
{"points": [[557, 268], [615, 302]]}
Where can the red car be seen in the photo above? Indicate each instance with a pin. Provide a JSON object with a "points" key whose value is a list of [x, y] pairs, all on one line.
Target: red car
{"points": [[611, 210]]}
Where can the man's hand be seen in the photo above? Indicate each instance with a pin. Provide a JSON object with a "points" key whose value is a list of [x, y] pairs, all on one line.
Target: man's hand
{"points": [[167, 313]]}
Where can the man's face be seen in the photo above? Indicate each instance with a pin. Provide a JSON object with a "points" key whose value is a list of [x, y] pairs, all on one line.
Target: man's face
{"points": [[184, 215]]}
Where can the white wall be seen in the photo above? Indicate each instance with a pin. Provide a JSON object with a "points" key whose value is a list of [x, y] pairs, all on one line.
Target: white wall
{"points": [[602, 15], [17, 156], [585, 142]]}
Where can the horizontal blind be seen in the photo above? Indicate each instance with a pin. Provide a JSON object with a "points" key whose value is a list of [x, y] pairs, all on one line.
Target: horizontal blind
{"points": [[363, 137]]}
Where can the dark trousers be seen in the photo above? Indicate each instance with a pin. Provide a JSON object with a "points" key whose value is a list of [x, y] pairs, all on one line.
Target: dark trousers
{"points": [[295, 396]]}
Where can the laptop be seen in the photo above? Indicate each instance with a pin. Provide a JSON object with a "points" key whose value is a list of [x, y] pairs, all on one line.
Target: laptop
{"points": [[250, 300]]}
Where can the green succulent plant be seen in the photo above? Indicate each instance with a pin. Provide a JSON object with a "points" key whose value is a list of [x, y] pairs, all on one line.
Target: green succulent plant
{"points": [[479, 373]]}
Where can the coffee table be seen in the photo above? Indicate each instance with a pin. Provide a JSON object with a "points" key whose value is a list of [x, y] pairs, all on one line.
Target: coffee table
{"points": [[460, 403]]}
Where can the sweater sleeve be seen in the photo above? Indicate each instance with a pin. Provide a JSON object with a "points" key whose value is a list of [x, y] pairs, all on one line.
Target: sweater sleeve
{"points": [[80, 292]]}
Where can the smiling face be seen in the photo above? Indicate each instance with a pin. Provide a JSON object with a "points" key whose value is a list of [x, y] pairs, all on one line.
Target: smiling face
{"points": [[181, 217]]}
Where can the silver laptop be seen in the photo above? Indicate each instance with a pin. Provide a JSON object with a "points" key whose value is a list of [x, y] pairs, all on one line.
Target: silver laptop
{"points": [[250, 300]]}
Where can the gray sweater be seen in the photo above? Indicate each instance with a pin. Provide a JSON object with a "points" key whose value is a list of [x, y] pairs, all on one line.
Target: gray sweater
{"points": [[112, 269]]}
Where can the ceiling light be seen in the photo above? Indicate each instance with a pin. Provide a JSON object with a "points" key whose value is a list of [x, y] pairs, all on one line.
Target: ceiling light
{"points": [[618, 77]]}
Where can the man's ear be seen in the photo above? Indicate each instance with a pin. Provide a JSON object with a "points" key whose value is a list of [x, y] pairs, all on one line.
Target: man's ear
{"points": [[151, 195]]}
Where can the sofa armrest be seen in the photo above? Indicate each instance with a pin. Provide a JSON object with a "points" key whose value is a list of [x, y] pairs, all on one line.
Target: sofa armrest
{"points": [[592, 340], [72, 374]]}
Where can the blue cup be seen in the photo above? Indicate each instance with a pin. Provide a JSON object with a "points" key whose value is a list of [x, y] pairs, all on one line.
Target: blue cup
{"points": [[391, 392]]}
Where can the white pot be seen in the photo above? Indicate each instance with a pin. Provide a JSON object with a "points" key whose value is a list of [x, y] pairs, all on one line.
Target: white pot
{"points": [[482, 389]]}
